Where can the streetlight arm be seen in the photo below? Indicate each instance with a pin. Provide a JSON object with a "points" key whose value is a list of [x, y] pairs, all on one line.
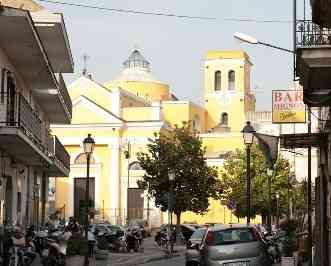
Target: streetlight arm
{"points": [[275, 47]]}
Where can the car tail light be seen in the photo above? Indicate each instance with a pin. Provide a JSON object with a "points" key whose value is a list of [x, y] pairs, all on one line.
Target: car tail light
{"points": [[210, 238]]}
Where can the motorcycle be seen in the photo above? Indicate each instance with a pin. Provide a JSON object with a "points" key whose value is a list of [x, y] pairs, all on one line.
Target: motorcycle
{"points": [[112, 240], [272, 243], [52, 255], [133, 240], [53, 248], [161, 238]]}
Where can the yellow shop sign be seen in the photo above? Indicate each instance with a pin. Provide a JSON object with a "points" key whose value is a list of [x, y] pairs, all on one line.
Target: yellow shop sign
{"points": [[288, 106]]}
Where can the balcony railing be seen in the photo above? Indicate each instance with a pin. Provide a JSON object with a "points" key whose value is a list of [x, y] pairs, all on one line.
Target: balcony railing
{"points": [[15, 111], [57, 150], [309, 34], [65, 95]]}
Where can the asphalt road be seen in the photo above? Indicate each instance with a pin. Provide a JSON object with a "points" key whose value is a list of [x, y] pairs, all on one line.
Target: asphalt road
{"points": [[179, 261]]}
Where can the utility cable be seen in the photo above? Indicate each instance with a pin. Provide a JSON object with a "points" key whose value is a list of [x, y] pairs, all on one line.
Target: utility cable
{"points": [[128, 10], [131, 11]]}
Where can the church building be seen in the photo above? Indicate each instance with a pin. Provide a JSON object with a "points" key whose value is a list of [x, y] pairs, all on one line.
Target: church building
{"points": [[123, 114]]}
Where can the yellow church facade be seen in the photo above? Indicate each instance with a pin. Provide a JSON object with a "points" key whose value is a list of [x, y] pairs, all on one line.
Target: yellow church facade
{"points": [[123, 114]]}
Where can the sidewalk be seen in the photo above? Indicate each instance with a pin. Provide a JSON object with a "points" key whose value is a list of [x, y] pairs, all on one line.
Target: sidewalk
{"points": [[151, 253]]}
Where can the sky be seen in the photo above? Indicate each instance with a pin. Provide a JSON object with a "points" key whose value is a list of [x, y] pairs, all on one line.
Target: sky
{"points": [[176, 47]]}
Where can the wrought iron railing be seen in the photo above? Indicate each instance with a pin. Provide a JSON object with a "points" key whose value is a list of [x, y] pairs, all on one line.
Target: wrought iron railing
{"points": [[65, 95], [309, 34], [15, 111], [58, 151]]}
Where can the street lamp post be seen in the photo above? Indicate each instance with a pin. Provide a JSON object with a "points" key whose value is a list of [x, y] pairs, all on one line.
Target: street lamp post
{"points": [[171, 176], [269, 173], [88, 145], [249, 39], [127, 154], [277, 209], [248, 134]]}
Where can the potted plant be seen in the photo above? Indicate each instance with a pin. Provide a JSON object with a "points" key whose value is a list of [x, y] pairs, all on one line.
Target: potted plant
{"points": [[77, 249], [288, 227]]}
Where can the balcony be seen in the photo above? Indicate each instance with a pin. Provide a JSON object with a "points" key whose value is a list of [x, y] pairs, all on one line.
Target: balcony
{"points": [[313, 62], [60, 157], [21, 131], [56, 102]]}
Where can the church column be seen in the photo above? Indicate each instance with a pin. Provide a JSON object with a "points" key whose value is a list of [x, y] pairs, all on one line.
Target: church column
{"points": [[114, 183]]}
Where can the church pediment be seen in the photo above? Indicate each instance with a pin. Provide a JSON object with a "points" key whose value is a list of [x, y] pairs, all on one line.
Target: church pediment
{"points": [[85, 111]]}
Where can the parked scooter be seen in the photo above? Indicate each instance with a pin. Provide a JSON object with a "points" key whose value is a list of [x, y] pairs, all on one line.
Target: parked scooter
{"points": [[134, 239], [272, 243], [54, 248]]}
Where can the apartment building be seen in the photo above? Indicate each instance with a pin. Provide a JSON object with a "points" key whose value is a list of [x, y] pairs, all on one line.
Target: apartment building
{"points": [[34, 51]]}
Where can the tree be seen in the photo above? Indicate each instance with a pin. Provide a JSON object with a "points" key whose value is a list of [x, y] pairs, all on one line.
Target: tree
{"points": [[233, 178], [179, 150]]}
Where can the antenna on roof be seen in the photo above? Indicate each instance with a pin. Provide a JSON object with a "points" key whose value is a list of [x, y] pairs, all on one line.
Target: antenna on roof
{"points": [[85, 59]]}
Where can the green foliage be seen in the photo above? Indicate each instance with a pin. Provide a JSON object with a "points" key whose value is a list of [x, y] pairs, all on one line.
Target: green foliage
{"points": [[234, 180], [179, 150]]}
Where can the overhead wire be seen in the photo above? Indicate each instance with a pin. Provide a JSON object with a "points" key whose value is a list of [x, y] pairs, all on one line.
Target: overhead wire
{"points": [[119, 10], [139, 12]]}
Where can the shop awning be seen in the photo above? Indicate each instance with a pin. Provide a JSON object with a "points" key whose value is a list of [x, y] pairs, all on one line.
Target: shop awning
{"points": [[303, 140]]}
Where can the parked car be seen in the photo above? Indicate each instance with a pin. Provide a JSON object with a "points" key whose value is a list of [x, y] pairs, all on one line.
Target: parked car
{"points": [[192, 255], [231, 245], [105, 228]]}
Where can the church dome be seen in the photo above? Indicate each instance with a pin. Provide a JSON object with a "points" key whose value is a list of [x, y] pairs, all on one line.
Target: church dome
{"points": [[136, 78], [136, 68]]}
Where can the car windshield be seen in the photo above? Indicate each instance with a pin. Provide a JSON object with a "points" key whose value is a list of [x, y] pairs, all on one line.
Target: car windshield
{"points": [[233, 235], [198, 234]]}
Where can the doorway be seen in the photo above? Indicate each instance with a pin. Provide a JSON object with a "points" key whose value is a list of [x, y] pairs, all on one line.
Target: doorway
{"points": [[79, 197], [135, 204], [11, 101]]}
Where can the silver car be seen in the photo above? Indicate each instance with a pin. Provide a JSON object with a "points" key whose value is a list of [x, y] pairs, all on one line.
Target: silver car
{"points": [[233, 245], [192, 254]]}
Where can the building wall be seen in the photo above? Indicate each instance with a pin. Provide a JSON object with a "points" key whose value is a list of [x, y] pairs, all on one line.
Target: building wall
{"points": [[150, 91], [234, 102], [24, 179], [24, 4], [140, 113]]}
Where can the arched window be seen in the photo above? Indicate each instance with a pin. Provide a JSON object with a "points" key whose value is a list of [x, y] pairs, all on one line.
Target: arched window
{"points": [[231, 80], [224, 119], [82, 159], [218, 80], [135, 166]]}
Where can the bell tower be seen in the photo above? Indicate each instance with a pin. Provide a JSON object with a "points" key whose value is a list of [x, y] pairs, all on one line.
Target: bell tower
{"points": [[227, 95]]}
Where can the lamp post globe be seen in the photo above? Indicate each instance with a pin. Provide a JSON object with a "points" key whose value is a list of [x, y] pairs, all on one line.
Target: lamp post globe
{"points": [[248, 134], [88, 145], [270, 172], [171, 175], [245, 38]]}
